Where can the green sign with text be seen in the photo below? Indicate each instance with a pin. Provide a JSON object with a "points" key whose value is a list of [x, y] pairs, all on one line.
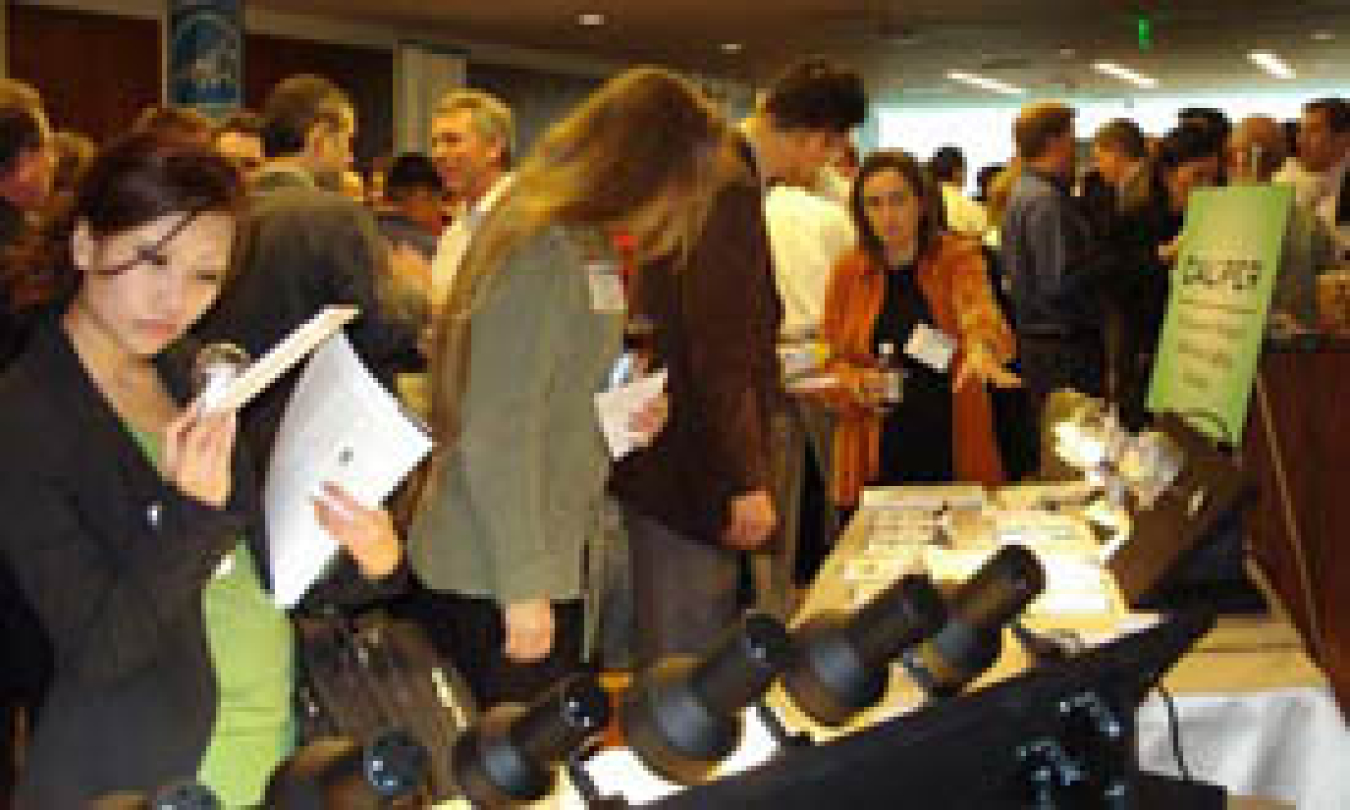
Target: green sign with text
{"points": [[1216, 318]]}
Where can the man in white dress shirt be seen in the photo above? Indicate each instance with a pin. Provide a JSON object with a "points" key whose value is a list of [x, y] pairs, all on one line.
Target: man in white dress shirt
{"points": [[798, 128], [808, 234], [472, 140], [1324, 155]]}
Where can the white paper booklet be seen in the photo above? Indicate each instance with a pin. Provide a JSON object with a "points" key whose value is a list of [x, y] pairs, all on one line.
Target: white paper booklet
{"points": [[297, 345], [341, 426]]}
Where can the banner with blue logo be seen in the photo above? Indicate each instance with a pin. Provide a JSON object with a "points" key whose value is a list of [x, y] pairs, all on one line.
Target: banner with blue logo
{"points": [[206, 55]]}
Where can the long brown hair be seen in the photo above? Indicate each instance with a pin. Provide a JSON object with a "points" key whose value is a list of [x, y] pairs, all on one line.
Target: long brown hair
{"points": [[646, 152], [925, 191]]}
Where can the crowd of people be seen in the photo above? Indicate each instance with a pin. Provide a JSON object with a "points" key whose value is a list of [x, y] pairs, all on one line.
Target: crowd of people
{"points": [[141, 641]]}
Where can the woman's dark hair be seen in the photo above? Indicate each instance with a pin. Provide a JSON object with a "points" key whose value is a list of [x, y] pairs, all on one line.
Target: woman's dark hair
{"points": [[947, 162], [816, 94], [984, 180], [1183, 144], [1187, 143], [1210, 118], [930, 203], [134, 181], [410, 172]]}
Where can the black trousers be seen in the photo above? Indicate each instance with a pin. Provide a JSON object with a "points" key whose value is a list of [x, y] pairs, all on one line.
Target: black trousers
{"points": [[25, 674], [685, 591], [1051, 363], [470, 633]]}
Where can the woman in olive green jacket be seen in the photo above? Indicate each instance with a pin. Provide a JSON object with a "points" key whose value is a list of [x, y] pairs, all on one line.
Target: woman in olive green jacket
{"points": [[532, 328]]}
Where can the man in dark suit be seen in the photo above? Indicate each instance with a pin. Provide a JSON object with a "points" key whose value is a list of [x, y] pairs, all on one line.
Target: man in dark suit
{"points": [[1047, 255], [303, 247], [1129, 224]]}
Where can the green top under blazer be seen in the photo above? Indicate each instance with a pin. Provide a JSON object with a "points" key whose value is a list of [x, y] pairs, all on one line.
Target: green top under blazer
{"points": [[522, 491]]}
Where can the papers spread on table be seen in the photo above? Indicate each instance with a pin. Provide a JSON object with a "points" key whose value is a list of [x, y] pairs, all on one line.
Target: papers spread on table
{"points": [[949, 531], [1073, 583], [932, 498], [341, 427], [1054, 495], [298, 344], [884, 570], [1043, 531]]}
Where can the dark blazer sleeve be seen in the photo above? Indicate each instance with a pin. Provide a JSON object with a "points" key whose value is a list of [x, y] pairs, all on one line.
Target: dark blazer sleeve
{"points": [[345, 586], [105, 611], [732, 311], [301, 250], [353, 248]]}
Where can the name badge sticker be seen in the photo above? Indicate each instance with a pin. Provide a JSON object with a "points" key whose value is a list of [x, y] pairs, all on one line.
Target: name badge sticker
{"points": [[932, 347], [606, 287]]}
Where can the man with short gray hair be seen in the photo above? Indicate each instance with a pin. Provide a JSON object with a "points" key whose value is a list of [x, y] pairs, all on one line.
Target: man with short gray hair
{"points": [[472, 141]]}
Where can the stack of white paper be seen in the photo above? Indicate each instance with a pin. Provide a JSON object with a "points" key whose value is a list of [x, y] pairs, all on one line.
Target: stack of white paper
{"points": [[297, 345], [342, 427], [619, 405]]}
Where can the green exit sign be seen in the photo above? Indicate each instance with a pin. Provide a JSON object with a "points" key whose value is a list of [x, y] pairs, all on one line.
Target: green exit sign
{"points": [[1144, 28]]}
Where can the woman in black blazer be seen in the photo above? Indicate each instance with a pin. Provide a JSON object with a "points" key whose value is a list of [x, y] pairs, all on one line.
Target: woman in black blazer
{"points": [[128, 513]]}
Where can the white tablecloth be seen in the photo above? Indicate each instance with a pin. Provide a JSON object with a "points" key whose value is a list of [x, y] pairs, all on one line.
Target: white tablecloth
{"points": [[1257, 717], [1287, 743]]}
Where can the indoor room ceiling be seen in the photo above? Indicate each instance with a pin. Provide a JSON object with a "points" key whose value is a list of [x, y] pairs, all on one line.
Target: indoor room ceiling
{"points": [[909, 47]]}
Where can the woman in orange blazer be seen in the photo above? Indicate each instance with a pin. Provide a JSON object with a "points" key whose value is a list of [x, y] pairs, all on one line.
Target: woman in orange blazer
{"points": [[907, 273]]}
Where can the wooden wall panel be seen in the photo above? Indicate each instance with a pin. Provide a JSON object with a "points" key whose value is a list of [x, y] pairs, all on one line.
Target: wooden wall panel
{"points": [[95, 72]]}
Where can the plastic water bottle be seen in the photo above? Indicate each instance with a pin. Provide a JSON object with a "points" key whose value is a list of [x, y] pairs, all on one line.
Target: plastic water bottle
{"points": [[215, 369], [892, 388]]}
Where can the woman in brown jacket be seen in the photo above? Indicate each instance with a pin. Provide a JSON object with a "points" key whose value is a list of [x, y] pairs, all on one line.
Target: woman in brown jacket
{"points": [[907, 284]]}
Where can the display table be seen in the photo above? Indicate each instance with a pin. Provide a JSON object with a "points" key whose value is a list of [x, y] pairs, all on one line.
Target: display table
{"points": [[1257, 716]]}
